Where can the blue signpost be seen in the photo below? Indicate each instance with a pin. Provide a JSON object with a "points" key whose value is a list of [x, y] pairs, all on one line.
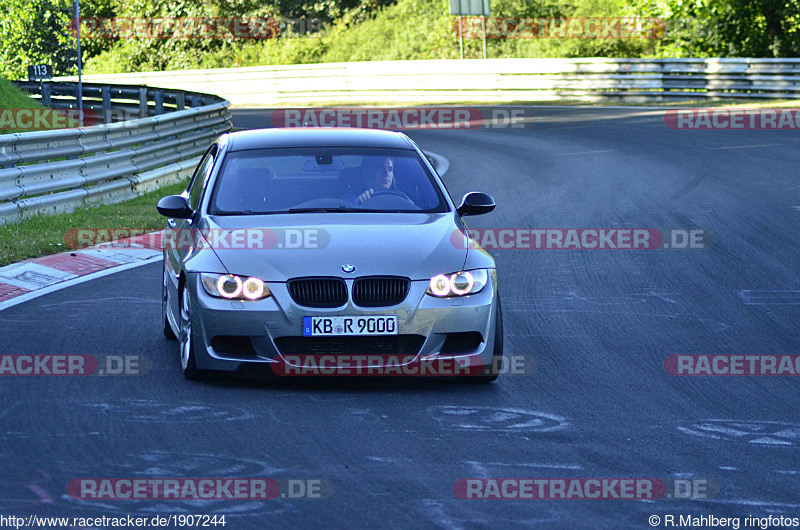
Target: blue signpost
{"points": [[80, 80]]}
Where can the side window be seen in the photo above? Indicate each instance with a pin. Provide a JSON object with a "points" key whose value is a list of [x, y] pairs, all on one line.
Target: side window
{"points": [[199, 180], [210, 151]]}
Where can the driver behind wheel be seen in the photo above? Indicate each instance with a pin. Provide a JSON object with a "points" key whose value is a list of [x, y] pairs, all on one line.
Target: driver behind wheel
{"points": [[379, 175]]}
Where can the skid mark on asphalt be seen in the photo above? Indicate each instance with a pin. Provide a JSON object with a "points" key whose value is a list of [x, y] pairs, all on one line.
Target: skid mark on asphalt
{"points": [[135, 410], [588, 152], [318, 398], [663, 296], [436, 513], [156, 411], [779, 297], [92, 301], [495, 419], [354, 415], [130, 302], [572, 298], [12, 407], [47, 320], [381, 459], [541, 465], [41, 494], [762, 433], [25, 435], [742, 502], [692, 184], [646, 304], [743, 147], [163, 464], [478, 470], [31, 492]]}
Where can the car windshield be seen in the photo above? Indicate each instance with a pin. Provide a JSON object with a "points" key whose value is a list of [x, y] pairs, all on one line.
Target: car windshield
{"points": [[300, 180]]}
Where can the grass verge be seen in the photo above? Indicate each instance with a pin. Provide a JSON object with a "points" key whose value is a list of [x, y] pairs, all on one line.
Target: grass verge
{"points": [[13, 98], [43, 235]]}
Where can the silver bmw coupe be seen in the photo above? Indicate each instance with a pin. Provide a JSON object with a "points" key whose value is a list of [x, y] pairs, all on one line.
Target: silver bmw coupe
{"points": [[327, 252]]}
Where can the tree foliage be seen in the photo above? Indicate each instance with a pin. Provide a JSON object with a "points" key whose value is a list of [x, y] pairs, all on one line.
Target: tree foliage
{"points": [[40, 32], [34, 32], [37, 31], [726, 28], [161, 54]]}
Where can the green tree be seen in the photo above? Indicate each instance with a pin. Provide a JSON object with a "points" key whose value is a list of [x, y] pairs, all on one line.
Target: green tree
{"points": [[725, 28], [102, 9], [163, 54], [35, 32]]}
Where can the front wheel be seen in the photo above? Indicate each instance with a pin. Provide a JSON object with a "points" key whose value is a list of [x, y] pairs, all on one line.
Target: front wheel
{"points": [[188, 359], [490, 373]]}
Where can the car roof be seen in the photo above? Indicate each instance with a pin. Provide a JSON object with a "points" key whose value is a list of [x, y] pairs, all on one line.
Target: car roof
{"points": [[315, 137]]}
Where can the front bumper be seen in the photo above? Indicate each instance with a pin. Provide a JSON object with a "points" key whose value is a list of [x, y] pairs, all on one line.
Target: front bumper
{"points": [[231, 335]]}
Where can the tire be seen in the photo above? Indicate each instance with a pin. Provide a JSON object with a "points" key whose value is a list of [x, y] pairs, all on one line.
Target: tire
{"points": [[168, 333], [186, 349], [490, 373]]}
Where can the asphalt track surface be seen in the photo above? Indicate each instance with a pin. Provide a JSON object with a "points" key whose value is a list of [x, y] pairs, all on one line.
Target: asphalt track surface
{"points": [[599, 323]]}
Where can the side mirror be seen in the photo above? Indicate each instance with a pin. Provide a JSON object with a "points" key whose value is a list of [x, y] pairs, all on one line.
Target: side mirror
{"points": [[476, 203], [175, 207]]}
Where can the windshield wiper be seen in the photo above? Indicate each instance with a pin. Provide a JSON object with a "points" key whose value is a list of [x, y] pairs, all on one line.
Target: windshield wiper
{"points": [[328, 209]]}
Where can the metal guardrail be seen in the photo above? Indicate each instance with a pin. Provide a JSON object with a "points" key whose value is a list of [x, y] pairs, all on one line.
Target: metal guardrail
{"points": [[500, 80], [116, 102], [57, 171]]}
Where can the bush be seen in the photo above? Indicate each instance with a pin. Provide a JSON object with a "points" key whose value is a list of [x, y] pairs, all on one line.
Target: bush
{"points": [[422, 29]]}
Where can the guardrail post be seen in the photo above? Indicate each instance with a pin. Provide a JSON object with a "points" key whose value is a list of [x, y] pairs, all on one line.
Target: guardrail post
{"points": [[46, 94], [143, 111], [180, 101], [158, 97], [663, 73], [197, 101], [106, 91]]}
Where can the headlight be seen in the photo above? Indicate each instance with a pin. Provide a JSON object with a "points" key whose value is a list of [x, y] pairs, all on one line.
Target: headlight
{"points": [[234, 287], [458, 283]]}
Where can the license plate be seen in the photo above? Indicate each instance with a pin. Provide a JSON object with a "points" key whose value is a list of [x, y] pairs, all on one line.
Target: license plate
{"points": [[349, 326]]}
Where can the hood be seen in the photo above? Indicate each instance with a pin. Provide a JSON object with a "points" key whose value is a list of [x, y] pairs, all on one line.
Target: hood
{"points": [[415, 246]]}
